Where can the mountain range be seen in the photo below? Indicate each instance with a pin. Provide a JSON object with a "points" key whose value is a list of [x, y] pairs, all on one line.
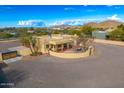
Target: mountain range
{"points": [[105, 24]]}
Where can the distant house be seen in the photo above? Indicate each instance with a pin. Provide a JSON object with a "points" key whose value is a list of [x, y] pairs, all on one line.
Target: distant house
{"points": [[30, 31], [13, 33], [56, 28], [99, 34]]}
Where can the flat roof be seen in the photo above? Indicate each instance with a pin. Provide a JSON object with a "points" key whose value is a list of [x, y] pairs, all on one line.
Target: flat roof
{"points": [[60, 41], [57, 38]]}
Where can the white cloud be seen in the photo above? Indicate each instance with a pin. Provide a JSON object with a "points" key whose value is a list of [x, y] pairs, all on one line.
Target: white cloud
{"points": [[117, 7], [90, 10], [72, 22], [75, 22], [109, 5], [37, 23], [85, 5], [69, 22], [113, 6], [69, 8], [114, 17]]}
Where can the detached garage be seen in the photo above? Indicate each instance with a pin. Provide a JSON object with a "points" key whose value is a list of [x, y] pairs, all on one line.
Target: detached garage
{"points": [[99, 34]]}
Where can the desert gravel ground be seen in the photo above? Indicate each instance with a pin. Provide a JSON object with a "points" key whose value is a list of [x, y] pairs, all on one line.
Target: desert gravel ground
{"points": [[105, 69]]}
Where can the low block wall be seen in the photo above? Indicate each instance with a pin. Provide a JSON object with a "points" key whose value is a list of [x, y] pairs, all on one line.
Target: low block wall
{"points": [[23, 51], [119, 43], [0, 57], [73, 55]]}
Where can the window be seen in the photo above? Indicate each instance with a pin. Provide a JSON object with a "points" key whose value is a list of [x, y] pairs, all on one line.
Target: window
{"points": [[47, 46]]}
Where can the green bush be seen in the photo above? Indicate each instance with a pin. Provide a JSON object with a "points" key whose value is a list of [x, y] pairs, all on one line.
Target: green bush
{"points": [[4, 35], [117, 34]]}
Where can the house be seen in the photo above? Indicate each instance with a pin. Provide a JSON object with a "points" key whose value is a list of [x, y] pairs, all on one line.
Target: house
{"points": [[56, 42]]}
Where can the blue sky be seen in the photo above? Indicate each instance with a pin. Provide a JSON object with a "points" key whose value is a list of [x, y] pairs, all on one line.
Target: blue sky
{"points": [[42, 15]]}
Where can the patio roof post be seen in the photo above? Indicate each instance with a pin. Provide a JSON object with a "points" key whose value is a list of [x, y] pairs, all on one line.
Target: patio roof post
{"points": [[52, 47], [1, 57], [49, 46], [55, 47], [67, 45], [62, 47]]}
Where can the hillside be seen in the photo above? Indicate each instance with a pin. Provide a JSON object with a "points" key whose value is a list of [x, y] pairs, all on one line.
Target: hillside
{"points": [[105, 24]]}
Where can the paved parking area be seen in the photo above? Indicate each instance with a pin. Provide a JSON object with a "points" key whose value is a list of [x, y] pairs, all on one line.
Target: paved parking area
{"points": [[104, 69], [9, 44]]}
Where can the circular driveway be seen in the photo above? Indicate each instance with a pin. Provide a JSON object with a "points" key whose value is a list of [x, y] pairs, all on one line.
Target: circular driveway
{"points": [[104, 69]]}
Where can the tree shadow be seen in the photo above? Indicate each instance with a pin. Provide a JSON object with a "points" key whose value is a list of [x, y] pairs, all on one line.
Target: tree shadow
{"points": [[3, 78], [11, 77]]}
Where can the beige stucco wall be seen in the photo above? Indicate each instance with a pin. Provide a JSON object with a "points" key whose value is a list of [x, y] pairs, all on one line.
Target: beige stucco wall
{"points": [[0, 57], [43, 48], [72, 55], [24, 52]]}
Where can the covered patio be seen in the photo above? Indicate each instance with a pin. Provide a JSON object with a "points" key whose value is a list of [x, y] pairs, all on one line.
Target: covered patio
{"points": [[60, 45]]}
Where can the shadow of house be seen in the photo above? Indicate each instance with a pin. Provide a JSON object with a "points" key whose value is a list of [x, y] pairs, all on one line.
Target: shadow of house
{"points": [[15, 76], [3, 78], [11, 77]]}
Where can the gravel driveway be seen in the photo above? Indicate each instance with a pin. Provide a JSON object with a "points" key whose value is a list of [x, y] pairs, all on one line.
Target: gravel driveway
{"points": [[105, 69]]}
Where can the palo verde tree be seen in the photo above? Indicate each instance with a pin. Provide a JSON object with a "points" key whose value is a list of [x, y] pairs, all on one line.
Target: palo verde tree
{"points": [[85, 41], [29, 40]]}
